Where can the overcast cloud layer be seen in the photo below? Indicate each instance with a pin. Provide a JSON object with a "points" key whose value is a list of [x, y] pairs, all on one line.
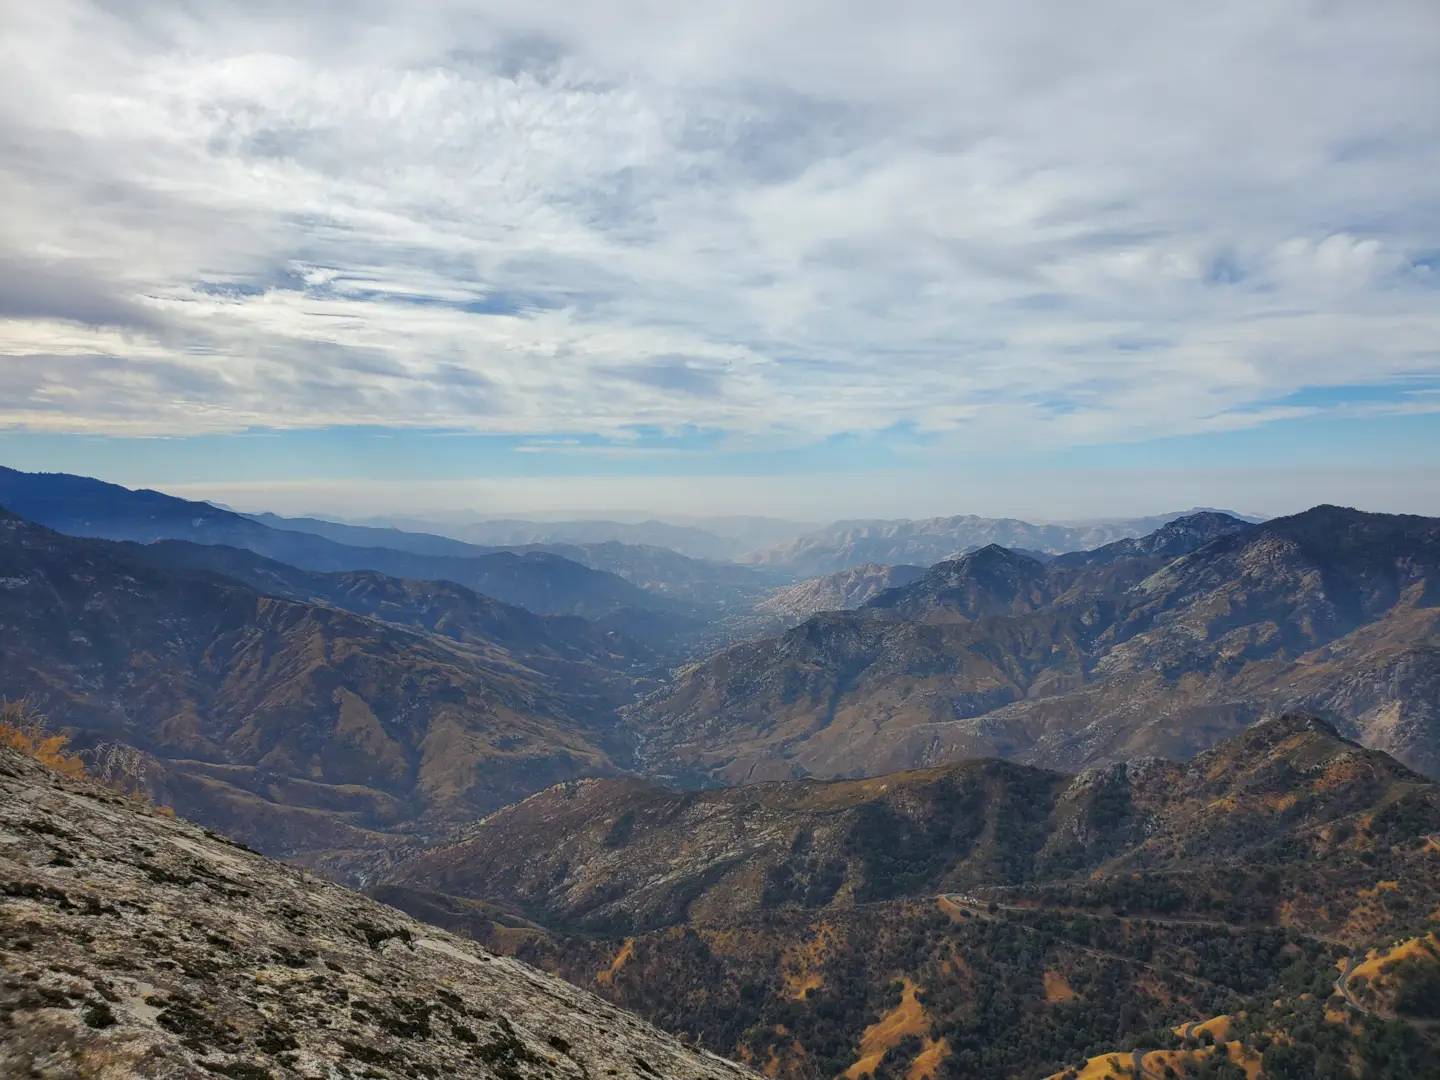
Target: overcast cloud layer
{"points": [[1044, 224]]}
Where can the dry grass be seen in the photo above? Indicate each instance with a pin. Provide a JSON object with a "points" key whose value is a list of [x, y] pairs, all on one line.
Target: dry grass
{"points": [[1056, 988], [801, 964], [1110, 1066], [1380, 887], [927, 1063], [1376, 963], [798, 988], [1218, 1028], [25, 728], [623, 957], [907, 1018], [1121, 1063], [1248, 1060], [785, 1060], [1370, 980]]}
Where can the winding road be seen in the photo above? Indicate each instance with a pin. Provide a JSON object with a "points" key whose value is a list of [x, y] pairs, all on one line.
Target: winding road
{"points": [[1342, 987], [1137, 1058]]}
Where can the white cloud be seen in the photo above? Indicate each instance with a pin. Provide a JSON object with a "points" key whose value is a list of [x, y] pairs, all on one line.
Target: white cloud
{"points": [[1046, 226]]}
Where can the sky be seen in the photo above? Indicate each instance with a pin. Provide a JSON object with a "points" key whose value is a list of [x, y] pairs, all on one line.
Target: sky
{"points": [[805, 259]]}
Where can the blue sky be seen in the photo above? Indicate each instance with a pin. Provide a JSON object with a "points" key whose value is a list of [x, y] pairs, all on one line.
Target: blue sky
{"points": [[827, 259]]}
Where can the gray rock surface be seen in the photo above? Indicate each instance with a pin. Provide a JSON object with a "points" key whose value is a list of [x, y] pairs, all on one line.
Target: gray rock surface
{"points": [[134, 944]]}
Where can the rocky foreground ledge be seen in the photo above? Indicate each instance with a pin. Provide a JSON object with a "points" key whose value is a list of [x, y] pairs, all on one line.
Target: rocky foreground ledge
{"points": [[136, 945]]}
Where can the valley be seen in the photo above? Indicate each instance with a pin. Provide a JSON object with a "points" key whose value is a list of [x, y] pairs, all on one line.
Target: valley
{"points": [[1016, 813]]}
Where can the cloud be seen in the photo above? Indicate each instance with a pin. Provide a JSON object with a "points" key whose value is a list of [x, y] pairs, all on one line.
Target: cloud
{"points": [[34, 289], [1046, 226], [672, 375]]}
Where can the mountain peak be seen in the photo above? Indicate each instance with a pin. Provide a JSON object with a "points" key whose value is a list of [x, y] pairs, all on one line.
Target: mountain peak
{"points": [[1340, 521], [1289, 742], [995, 553], [1288, 724], [989, 580], [1177, 537]]}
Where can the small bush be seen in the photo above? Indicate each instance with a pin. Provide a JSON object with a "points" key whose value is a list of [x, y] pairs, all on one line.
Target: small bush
{"points": [[23, 728]]}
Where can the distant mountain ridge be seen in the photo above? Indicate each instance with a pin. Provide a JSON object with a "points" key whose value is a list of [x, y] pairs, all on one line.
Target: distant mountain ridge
{"points": [[658, 570], [1171, 540], [692, 541], [540, 581], [850, 543], [440, 607]]}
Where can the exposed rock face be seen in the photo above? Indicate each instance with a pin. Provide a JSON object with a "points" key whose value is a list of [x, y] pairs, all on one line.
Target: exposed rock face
{"points": [[1171, 540], [840, 591], [851, 543], [1082, 662], [138, 945]]}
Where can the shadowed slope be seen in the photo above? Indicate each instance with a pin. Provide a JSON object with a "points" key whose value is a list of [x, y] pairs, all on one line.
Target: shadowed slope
{"points": [[296, 725]]}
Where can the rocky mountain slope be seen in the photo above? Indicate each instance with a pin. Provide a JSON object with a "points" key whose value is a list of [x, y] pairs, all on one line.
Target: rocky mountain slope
{"points": [[1333, 611], [139, 945], [797, 924], [840, 591], [294, 724], [1173, 539], [852, 543]]}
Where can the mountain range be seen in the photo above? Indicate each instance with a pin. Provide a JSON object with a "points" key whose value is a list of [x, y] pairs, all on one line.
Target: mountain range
{"points": [[984, 918], [300, 710], [1013, 812], [1084, 660], [846, 544], [625, 855], [694, 541], [653, 567], [1160, 644], [539, 580]]}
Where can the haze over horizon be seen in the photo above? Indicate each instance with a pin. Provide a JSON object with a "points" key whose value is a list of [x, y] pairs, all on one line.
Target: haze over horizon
{"points": [[795, 260], [812, 501]]}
